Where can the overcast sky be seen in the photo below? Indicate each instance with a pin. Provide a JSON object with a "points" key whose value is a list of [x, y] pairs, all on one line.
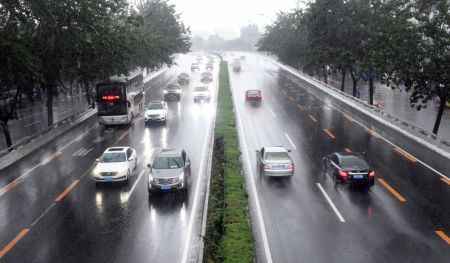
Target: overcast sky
{"points": [[225, 17]]}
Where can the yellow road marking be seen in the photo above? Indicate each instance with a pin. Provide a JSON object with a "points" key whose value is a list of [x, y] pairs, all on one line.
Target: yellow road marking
{"points": [[51, 158], [284, 92], [301, 107], [374, 134], [443, 236], [121, 137], [329, 134], [445, 180], [9, 188], [291, 99], [82, 136], [347, 150], [13, 242], [312, 118], [347, 117], [68, 189], [405, 154], [392, 190]]}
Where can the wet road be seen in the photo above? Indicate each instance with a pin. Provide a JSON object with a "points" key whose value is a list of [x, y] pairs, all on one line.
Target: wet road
{"points": [[52, 211], [405, 217]]}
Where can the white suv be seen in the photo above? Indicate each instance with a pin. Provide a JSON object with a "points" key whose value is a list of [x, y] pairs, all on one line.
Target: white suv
{"points": [[156, 111], [201, 93], [116, 164]]}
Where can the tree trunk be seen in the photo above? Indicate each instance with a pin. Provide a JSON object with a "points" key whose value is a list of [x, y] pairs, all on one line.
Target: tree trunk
{"points": [[50, 92], [88, 94], [354, 82], [443, 99], [6, 133], [343, 79], [371, 90], [325, 77]]}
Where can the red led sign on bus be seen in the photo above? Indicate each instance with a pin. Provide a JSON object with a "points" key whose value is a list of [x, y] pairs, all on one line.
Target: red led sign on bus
{"points": [[110, 97]]}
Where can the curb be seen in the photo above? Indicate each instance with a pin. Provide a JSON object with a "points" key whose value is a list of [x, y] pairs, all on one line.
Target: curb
{"points": [[38, 142]]}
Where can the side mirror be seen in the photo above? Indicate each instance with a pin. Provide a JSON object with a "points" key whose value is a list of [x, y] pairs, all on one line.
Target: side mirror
{"points": [[257, 151], [130, 159], [188, 163], [149, 166], [289, 151], [97, 160]]}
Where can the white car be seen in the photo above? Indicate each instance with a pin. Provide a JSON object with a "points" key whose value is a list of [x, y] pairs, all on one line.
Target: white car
{"points": [[156, 111], [115, 165], [201, 93]]}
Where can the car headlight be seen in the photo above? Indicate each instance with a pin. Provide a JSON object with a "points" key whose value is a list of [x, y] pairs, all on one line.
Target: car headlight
{"points": [[181, 177], [96, 171], [178, 91], [150, 178], [165, 91]]}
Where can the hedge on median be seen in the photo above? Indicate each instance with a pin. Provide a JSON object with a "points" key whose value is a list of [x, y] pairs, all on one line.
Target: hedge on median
{"points": [[228, 234]]}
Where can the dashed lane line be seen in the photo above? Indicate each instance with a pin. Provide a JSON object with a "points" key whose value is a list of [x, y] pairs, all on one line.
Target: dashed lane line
{"points": [[68, 189], [331, 135], [330, 202], [442, 235], [271, 111], [312, 118], [374, 134], [348, 150], [392, 190], [13, 242], [405, 154], [290, 141]]}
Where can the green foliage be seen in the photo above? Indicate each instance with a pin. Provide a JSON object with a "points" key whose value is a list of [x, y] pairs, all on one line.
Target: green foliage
{"points": [[228, 235], [399, 41]]}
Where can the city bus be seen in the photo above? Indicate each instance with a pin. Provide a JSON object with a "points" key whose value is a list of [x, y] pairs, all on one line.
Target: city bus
{"points": [[121, 98]]}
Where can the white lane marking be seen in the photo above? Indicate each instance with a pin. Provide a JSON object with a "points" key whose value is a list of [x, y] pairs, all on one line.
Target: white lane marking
{"points": [[336, 211], [394, 127], [135, 184], [41, 163], [252, 180], [33, 123], [290, 141], [201, 173], [394, 145], [271, 111], [82, 152], [43, 214]]}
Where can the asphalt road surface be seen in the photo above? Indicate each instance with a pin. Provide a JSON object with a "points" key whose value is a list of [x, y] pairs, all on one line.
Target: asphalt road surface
{"points": [[405, 217], [52, 211]]}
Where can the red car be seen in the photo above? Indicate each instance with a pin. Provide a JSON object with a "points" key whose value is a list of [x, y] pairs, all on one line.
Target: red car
{"points": [[253, 95]]}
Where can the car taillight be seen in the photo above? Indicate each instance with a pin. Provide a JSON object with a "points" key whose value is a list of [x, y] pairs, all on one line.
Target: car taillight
{"points": [[259, 96], [372, 174], [290, 166], [266, 166], [343, 174]]}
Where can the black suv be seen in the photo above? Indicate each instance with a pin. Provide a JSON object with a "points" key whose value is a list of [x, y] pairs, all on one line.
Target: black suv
{"points": [[172, 91]]}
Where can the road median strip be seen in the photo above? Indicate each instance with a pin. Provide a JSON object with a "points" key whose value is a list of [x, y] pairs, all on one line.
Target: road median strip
{"points": [[228, 233]]}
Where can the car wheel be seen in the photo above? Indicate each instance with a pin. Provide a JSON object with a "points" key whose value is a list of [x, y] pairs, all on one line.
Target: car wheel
{"points": [[135, 164], [371, 183], [335, 180], [128, 177]]}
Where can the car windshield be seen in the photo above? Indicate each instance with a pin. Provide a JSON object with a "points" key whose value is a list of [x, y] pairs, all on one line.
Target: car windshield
{"points": [[173, 86], [201, 89], [113, 157], [168, 163], [353, 162], [155, 106], [276, 156]]}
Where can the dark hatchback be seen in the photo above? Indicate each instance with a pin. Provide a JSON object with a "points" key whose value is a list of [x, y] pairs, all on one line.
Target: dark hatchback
{"points": [[349, 167]]}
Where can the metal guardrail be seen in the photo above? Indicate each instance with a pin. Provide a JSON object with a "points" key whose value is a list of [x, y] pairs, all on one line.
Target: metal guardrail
{"points": [[399, 122], [36, 135]]}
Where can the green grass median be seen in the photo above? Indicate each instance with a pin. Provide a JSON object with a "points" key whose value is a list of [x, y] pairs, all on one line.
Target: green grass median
{"points": [[228, 235]]}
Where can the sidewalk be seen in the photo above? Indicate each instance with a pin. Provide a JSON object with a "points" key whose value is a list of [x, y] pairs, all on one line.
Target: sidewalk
{"points": [[397, 103], [34, 118]]}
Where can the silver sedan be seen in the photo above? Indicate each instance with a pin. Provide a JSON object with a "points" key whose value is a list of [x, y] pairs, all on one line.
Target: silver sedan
{"points": [[274, 161]]}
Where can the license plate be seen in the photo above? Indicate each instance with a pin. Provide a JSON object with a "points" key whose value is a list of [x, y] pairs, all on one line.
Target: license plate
{"points": [[108, 178], [278, 167], [165, 187], [358, 176]]}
